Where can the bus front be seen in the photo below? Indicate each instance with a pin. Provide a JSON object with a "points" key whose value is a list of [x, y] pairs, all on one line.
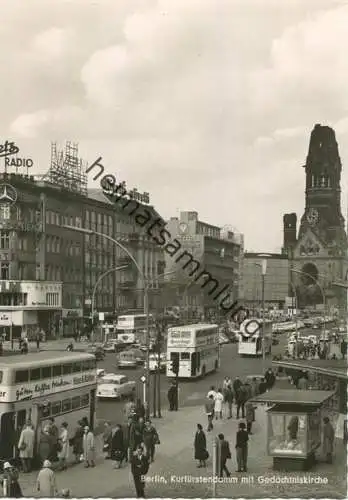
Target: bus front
{"points": [[179, 350]]}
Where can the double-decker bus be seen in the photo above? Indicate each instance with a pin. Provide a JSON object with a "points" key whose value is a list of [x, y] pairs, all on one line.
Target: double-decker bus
{"points": [[251, 333], [196, 347], [131, 328], [41, 385]]}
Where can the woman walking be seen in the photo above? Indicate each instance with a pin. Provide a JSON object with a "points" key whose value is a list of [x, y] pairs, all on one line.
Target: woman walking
{"points": [[219, 399], [63, 447], [200, 445], [88, 447]]}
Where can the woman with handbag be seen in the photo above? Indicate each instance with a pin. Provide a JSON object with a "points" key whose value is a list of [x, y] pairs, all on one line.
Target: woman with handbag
{"points": [[200, 445]]}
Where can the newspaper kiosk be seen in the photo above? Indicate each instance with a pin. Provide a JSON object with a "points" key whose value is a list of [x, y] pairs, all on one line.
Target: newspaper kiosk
{"points": [[294, 426]]}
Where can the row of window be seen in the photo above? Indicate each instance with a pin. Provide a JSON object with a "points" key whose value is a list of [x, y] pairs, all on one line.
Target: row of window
{"points": [[13, 299], [45, 372], [57, 219], [64, 406]]}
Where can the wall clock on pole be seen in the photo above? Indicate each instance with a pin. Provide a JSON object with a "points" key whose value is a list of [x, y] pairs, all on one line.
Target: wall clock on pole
{"points": [[312, 216]]}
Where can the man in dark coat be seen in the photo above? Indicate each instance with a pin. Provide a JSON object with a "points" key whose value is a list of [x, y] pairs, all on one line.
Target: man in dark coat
{"points": [[225, 454], [172, 397], [209, 410], [270, 378], [328, 440], [242, 439], [236, 384], [117, 446], [140, 467], [241, 398], [229, 400], [343, 349], [200, 445], [150, 438]]}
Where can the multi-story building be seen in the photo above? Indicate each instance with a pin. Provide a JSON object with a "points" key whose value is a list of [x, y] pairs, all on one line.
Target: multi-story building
{"points": [[101, 255], [39, 254], [276, 280], [217, 252]]}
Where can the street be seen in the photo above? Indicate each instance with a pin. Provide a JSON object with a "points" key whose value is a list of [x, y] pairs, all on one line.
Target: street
{"points": [[191, 392]]}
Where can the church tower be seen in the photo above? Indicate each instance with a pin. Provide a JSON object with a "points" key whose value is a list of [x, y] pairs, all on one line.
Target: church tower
{"points": [[318, 256], [323, 191]]}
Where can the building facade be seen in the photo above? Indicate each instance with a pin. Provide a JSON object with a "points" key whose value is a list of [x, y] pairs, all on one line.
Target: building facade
{"points": [[216, 251], [318, 253], [40, 254], [276, 280]]}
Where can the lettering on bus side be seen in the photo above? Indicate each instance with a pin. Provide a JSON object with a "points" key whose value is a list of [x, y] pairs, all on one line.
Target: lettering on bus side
{"points": [[83, 379]]}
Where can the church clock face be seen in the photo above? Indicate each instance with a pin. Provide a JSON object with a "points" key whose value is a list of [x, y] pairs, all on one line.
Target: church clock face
{"points": [[312, 216]]}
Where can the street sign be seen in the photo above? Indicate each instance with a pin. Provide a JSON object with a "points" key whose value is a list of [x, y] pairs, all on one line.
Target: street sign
{"points": [[6, 319], [101, 316], [143, 379]]}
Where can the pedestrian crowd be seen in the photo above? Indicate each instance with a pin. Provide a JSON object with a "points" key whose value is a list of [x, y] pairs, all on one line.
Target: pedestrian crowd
{"points": [[134, 443], [53, 454], [220, 403]]}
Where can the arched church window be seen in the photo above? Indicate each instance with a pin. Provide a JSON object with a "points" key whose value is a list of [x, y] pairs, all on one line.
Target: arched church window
{"points": [[312, 181]]}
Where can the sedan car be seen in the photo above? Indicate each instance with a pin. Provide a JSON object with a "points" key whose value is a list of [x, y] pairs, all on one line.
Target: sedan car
{"points": [[115, 386]]}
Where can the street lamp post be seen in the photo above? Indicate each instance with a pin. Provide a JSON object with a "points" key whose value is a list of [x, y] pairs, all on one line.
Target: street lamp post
{"points": [[146, 302], [296, 327], [101, 277]]}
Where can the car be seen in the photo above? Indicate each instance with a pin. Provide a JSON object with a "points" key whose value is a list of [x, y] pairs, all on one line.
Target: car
{"points": [[113, 345], [97, 350], [100, 373], [114, 386]]}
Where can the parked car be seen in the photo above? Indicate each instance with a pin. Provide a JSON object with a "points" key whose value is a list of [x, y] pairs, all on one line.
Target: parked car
{"points": [[115, 386], [223, 339], [100, 373]]}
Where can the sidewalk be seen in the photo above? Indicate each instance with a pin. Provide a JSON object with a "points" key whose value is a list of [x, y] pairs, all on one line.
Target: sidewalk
{"points": [[174, 461]]}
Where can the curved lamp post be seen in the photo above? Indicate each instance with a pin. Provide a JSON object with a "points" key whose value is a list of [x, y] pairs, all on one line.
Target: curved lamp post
{"points": [[146, 301]]}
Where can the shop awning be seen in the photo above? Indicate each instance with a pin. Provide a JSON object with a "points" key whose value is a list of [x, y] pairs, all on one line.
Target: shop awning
{"points": [[294, 396]]}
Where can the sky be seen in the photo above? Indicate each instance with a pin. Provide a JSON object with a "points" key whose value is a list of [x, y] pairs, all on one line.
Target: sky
{"points": [[206, 104]]}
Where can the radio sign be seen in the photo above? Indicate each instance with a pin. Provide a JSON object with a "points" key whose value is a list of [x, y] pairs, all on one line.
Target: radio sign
{"points": [[8, 149]]}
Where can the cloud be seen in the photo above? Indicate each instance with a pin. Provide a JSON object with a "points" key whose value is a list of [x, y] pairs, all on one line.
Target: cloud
{"points": [[31, 125], [52, 43]]}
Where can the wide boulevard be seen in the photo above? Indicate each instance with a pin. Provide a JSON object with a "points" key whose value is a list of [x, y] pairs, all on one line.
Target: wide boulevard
{"points": [[191, 392]]}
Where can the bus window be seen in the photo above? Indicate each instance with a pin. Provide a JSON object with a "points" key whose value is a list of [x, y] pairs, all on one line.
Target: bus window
{"points": [[86, 365], [1, 376], [75, 403], [76, 367], [57, 371], [185, 355], [46, 372], [35, 374], [22, 376], [46, 410], [56, 408], [67, 369], [85, 400], [66, 405]]}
